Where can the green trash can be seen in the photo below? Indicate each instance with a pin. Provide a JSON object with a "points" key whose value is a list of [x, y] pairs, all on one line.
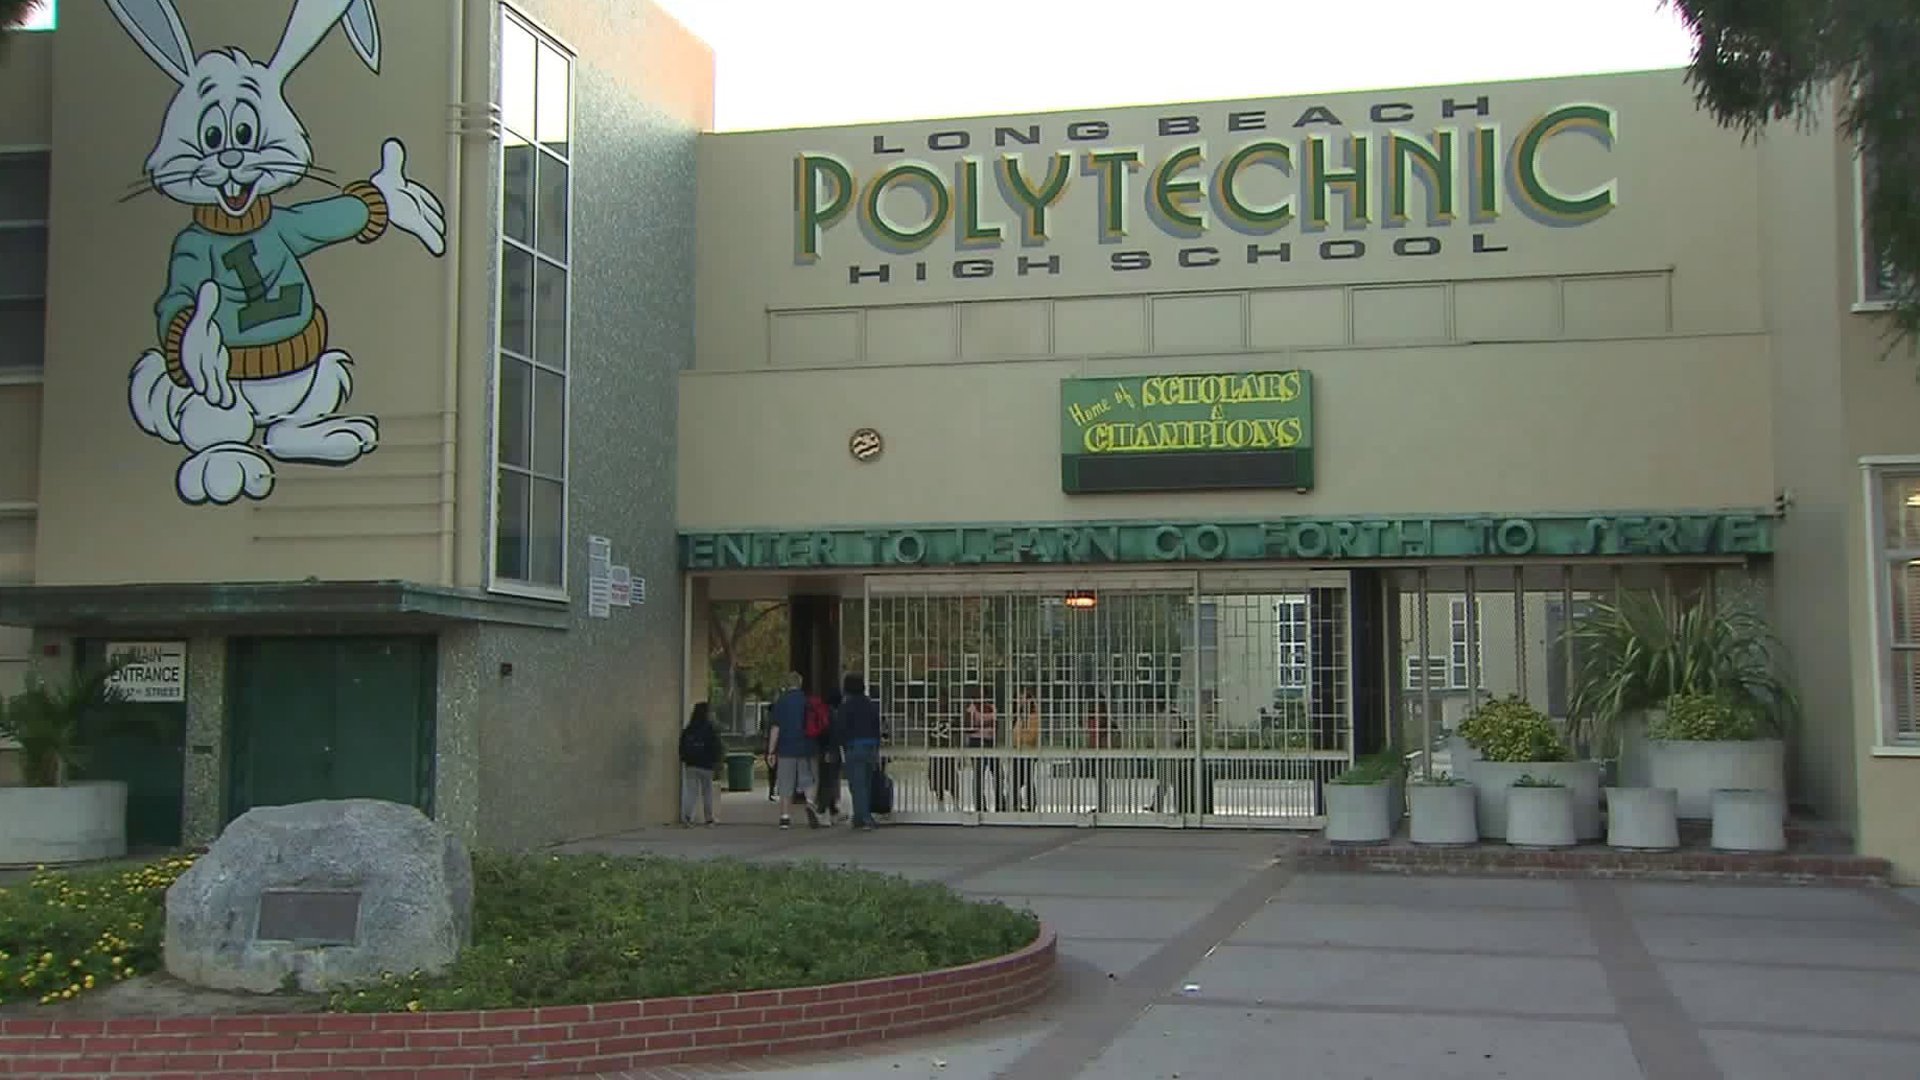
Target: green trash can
{"points": [[739, 772]]}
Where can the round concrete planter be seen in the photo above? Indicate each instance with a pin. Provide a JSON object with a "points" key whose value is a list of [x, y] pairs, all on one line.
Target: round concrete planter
{"points": [[1442, 814], [1359, 813], [1491, 779], [1540, 817], [80, 822], [1747, 820], [1697, 769], [1642, 819]]}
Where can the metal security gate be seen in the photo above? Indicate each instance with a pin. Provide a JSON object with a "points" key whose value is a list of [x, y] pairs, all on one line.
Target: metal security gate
{"points": [[1162, 699]]}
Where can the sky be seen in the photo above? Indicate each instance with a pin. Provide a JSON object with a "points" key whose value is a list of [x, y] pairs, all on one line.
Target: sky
{"points": [[809, 63]]}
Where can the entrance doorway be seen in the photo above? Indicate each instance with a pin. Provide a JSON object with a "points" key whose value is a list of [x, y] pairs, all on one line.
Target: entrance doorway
{"points": [[330, 718]]}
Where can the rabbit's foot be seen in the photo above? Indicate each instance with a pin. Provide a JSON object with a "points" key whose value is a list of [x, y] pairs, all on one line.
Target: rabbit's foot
{"points": [[336, 440], [222, 473]]}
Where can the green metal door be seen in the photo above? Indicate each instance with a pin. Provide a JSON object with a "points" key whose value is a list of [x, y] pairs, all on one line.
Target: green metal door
{"points": [[330, 718], [144, 746]]}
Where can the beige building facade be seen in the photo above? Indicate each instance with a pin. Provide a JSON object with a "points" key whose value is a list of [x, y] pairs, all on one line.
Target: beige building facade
{"points": [[1230, 440], [1404, 355]]}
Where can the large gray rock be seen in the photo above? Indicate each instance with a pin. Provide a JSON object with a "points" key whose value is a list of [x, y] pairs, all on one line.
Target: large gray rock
{"points": [[323, 894]]}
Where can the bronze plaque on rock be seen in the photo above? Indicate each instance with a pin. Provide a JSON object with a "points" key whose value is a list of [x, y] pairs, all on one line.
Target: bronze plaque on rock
{"points": [[309, 916]]}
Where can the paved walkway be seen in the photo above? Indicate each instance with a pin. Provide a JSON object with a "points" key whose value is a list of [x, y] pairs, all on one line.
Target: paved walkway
{"points": [[1194, 954]]}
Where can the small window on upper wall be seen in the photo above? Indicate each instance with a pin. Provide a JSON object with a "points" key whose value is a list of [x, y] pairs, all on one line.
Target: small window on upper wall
{"points": [[1876, 277]]}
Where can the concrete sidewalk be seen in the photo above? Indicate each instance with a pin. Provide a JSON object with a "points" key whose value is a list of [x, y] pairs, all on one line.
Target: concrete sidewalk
{"points": [[1194, 953]]}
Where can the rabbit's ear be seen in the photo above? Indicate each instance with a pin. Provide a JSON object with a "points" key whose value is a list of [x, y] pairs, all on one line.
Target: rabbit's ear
{"points": [[306, 26], [364, 32], [155, 26]]}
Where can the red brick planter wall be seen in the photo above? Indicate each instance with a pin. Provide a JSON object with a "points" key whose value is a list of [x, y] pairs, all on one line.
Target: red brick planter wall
{"points": [[556, 1041]]}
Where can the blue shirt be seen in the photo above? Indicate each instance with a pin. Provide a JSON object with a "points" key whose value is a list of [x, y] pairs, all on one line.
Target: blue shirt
{"points": [[790, 720]]}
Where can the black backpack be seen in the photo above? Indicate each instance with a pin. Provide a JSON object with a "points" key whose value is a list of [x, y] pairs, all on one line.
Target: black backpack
{"points": [[696, 746]]}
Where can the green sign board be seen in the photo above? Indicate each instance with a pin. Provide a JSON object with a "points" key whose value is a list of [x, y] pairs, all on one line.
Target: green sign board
{"points": [[1314, 540], [1244, 429]]}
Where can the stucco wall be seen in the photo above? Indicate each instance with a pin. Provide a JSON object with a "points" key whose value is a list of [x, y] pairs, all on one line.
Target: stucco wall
{"points": [[598, 706]]}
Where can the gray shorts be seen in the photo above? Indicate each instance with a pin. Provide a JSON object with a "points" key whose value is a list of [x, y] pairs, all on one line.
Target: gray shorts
{"points": [[792, 774]]}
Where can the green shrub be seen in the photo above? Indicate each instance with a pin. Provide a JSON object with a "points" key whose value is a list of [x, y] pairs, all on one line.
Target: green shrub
{"points": [[64, 934], [1705, 718], [1530, 780], [1511, 730], [560, 930]]}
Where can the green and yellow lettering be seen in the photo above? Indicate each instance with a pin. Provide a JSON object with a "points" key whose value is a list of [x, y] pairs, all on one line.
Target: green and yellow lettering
{"points": [[1406, 152], [1170, 200], [1541, 197], [892, 235], [811, 216], [1034, 202], [260, 308], [1112, 167], [1352, 181], [1240, 214]]}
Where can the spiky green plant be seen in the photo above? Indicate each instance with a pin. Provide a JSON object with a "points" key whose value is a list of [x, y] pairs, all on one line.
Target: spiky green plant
{"points": [[1641, 651], [46, 720]]}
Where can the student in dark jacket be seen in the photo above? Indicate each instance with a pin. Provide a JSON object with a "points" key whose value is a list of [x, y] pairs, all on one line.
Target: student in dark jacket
{"points": [[860, 727], [701, 752]]}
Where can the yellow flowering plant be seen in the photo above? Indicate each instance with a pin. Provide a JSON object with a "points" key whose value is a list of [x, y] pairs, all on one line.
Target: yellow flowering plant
{"points": [[64, 934]]}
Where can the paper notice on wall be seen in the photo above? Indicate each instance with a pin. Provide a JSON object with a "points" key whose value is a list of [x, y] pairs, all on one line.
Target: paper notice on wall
{"points": [[599, 556], [639, 590], [622, 579], [599, 598], [599, 577], [148, 671]]}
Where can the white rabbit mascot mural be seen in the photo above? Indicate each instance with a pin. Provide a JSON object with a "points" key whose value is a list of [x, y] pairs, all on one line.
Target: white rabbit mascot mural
{"points": [[242, 345]]}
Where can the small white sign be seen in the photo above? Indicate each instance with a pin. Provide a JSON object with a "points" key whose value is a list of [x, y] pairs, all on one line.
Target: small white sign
{"points": [[154, 671], [622, 578]]}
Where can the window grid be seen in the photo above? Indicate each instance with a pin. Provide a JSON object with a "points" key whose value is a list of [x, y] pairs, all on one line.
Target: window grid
{"points": [[1895, 508], [1457, 644], [533, 390], [1876, 284], [24, 179]]}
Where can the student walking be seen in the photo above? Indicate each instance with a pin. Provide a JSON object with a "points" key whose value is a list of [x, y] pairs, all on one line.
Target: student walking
{"points": [[792, 752], [832, 746], [701, 752], [860, 727]]}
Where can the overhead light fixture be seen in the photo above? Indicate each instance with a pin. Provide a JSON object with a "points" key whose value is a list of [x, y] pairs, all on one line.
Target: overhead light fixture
{"points": [[1913, 500], [1080, 598]]}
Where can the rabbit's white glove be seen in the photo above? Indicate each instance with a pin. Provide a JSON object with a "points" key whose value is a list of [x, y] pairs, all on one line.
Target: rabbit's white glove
{"points": [[203, 354], [410, 207]]}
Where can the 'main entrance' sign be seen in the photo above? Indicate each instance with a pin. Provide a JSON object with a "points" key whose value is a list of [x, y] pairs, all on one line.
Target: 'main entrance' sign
{"points": [[1248, 429], [1288, 539]]}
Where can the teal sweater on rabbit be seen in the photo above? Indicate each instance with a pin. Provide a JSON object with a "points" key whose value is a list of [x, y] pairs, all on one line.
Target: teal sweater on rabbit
{"points": [[267, 317]]}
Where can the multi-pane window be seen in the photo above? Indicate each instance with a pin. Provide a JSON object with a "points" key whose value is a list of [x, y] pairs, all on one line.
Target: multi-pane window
{"points": [[530, 511], [23, 258], [1291, 641], [1896, 527], [1457, 645]]}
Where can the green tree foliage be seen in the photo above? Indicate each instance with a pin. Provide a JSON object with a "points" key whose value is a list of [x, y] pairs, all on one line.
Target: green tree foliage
{"points": [[1760, 62]]}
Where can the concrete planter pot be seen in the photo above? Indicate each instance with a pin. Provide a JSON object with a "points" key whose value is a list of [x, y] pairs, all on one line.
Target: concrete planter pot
{"points": [[1442, 814], [1491, 779], [1697, 769], [80, 822], [1642, 819], [1746, 820], [1540, 817], [1631, 731], [1359, 813]]}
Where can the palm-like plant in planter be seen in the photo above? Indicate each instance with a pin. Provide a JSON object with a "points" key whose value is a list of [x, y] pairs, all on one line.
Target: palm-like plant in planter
{"points": [[1692, 697], [51, 818]]}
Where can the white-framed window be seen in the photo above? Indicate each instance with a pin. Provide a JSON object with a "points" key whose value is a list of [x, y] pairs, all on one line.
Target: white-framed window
{"points": [[1893, 529], [1062, 668], [23, 258], [1875, 279], [532, 414], [1291, 642], [1457, 644]]}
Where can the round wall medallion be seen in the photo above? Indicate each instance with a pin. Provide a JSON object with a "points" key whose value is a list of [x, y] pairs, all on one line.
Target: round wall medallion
{"points": [[865, 445]]}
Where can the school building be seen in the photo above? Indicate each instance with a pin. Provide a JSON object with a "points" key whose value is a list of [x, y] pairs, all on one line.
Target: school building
{"points": [[1231, 439]]}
